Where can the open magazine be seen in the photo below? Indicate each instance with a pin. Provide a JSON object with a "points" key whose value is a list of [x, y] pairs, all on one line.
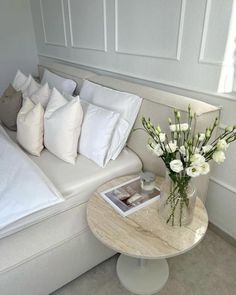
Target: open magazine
{"points": [[128, 197]]}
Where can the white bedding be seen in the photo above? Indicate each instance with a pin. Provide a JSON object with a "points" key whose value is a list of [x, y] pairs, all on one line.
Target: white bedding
{"points": [[24, 189]]}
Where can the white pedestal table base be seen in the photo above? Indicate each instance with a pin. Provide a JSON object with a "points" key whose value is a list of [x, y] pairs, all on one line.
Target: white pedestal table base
{"points": [[140, 276]]}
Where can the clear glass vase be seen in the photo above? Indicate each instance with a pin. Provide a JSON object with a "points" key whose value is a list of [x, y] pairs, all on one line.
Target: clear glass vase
{"points": [[177, 200]]}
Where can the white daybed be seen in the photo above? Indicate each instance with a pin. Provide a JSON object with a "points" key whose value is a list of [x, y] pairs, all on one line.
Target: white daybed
{"points": [[47, 249]]}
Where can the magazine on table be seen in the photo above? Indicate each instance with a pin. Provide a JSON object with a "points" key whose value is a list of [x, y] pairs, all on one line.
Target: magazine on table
{"points": [[129, 196]]}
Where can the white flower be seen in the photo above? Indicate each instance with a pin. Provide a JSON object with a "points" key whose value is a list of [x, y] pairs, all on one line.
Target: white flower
{"points": [[171, 146], [202, 137], [222, 145], [205, 168], [162, 137], [206, 148], [219, 157], [196, 150], [193, 171], [176, 166], [157, 150], [197, 160], [182, 150], [179, 127], [229, 128]]}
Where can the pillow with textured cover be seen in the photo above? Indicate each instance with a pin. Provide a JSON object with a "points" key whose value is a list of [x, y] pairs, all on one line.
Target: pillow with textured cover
{"points": [[30, 123], [62, 123], [10, 104]]}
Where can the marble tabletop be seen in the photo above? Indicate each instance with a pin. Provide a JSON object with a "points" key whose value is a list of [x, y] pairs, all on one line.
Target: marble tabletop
{"points": [[142, 234]]}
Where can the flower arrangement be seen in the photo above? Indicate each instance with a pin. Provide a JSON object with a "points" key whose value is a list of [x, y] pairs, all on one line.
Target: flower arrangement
{"points": [[186, 154]]}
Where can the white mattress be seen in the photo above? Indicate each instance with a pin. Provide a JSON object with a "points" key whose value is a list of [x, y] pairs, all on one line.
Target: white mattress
{"points": [[75, 182], [42, 231]]}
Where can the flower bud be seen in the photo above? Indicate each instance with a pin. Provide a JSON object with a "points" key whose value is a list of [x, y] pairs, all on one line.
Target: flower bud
{"points": [[158, 129], [208, 133], [178, 115], [169, 120]]}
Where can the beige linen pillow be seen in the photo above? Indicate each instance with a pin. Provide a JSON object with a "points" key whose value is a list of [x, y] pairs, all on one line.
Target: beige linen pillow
{"points": [[10, 104], [30, 121], [62, 123]]}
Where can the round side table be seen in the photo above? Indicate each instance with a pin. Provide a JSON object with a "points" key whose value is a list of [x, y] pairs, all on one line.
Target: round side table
{"points": [[142, 239]]}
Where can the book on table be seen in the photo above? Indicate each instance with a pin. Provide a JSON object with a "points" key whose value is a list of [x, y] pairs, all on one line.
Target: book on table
{"points": [[129, 196]]}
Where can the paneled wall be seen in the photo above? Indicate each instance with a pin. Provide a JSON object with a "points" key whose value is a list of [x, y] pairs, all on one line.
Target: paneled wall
{"points": [[17, 45], [185, 46]]}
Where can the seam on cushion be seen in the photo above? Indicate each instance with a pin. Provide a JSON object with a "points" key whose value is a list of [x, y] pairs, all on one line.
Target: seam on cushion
{"points": [[40, 253]]}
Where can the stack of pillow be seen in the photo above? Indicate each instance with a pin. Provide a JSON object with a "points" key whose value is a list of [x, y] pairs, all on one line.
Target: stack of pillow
{"points": [[96, 124]]}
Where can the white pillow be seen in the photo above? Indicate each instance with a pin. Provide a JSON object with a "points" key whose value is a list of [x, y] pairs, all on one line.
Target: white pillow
{"points": [[42, 95], [61, 84], [30, 127], [24, 87], [33, 87], [126, 104], [96, 133], [19, 80], [62, 123]]}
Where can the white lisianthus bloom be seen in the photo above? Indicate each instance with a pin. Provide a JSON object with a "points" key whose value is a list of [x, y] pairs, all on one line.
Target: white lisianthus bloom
{"points": [[182, 150], [229, 128], [176, 166], [219, 157], [171, 147], [202, 137], [162, 137], [197, 160], [206, 148], [196, 150], [179, 127], [222, 145], [193, 171], [157, 150], [205, 168]]}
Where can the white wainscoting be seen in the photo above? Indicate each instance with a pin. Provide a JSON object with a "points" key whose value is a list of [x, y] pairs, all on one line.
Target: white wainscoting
{"points": [[80, 15], [178, 45], [214, 36], [53, 16], [158, 38]]}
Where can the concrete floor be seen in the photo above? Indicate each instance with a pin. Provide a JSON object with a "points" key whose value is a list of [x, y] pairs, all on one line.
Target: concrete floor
{"points": [[208, 269]]}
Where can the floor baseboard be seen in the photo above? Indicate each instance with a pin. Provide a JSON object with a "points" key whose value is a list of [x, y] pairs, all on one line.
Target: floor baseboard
{"points": [[228, 238]]}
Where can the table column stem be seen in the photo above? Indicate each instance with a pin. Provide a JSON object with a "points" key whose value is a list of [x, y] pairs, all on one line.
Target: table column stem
{"points": [[142, 262]]}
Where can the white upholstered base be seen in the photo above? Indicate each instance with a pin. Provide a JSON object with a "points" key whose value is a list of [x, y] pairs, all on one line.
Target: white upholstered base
{"points": [[55, 267]]}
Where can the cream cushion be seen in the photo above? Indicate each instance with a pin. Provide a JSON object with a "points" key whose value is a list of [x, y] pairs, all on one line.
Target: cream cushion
{"points": [[42, 95], [30, 127], [62, 126], [32, 87], [19, 80]]}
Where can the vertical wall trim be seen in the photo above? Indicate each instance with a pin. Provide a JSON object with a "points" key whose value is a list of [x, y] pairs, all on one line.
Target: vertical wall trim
{"points": [[64, 26], [178, 44], [104, 29]]}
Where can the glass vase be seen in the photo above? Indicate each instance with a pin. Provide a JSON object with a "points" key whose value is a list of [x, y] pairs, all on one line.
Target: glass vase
{"points": [[177, 200]]}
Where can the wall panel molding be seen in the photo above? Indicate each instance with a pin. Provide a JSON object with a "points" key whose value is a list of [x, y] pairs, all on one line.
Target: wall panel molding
{"points": [[223, 184], [73, 45], [154, 55], [46, 41], [203, 46]]}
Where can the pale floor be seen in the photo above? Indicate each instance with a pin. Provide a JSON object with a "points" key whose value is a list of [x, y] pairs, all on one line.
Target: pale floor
{"points": [[208, 269]]}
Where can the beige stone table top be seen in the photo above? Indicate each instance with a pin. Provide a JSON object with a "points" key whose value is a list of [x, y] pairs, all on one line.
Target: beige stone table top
{"points": [[142, 234]]}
